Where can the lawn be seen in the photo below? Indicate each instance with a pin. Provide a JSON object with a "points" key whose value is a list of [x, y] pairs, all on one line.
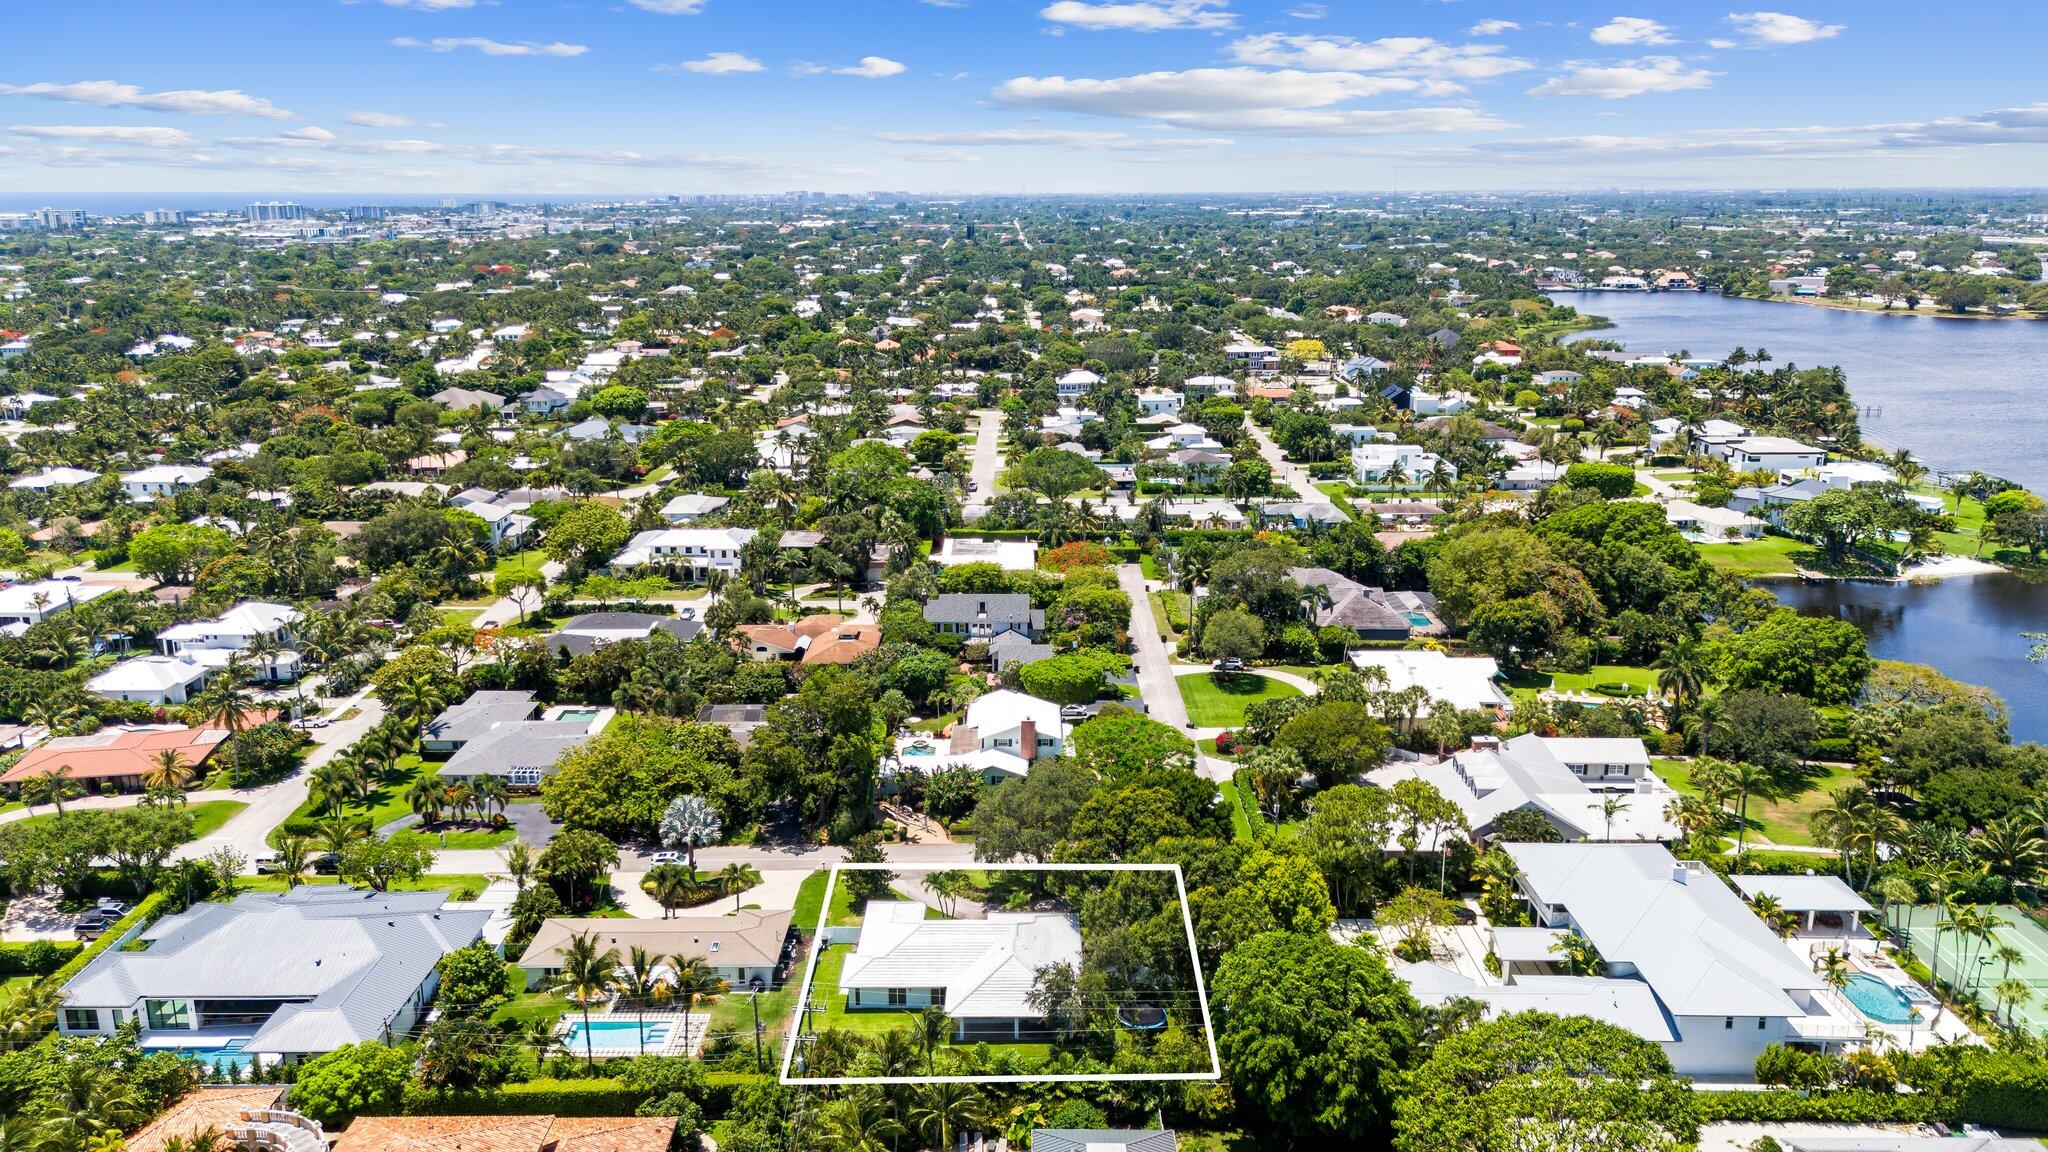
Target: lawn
{"points": [[432, 882], [1219, 701], [459, 838], [1770, 556], [518, 564], [1781, 821], [1639, 680], [828, 1010], [810, 897], [387, 803], [208, 817], [1240, 821]]}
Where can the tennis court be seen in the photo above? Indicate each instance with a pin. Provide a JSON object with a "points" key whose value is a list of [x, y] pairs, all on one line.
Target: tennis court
{"points": [[2019, 931]]}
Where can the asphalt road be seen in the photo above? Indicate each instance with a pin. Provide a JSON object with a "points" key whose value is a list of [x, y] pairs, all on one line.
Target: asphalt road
{"points": [[1288, 472]]}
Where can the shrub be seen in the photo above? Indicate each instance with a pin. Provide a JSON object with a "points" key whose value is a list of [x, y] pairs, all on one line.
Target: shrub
{"points": [[1614, 481], [37, 957], [1784, 1106], [595, 1096], [1613, 688]]}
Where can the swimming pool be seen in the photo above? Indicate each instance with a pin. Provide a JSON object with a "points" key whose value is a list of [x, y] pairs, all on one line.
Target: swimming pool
{"points": [[617, 1035], [575, 714], [228, 1055], [1877, 999], [1418, 620]]}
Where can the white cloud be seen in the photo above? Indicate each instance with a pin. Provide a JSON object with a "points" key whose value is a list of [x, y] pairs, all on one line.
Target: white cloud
{"points": [[716, 64], [493, 47], [938, 155], [1140, 15], [1245, 100], [1627, 78], [1056, 138], [944, 3], [1308, 12], [869, 68], [381, 120], [1717, 42], [1632, 30], [190, 101], [1492, 27], [1778, 28], [670, 7], [310, 132], [1409, 55], [107, 133]]}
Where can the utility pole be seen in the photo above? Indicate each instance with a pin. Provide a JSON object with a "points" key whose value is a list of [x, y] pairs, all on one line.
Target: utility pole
{"points": [[759, 1065]]}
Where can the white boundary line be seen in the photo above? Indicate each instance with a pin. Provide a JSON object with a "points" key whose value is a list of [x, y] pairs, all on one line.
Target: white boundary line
{"points": [[1187, 919]]}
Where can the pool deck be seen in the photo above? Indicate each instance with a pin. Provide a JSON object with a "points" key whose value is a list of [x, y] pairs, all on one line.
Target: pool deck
{"points": [[625, 1044]]}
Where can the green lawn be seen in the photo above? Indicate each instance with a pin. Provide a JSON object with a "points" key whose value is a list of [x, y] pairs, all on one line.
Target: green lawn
{"points": [[208, 817], [1775, 821], [828, 1009], [387, 803], [1240, 821], [517, 564], [432, 882], [1219, 701], [527, 1007], [1639, 680], [469, 837], [810, 897], [1770, 556]]}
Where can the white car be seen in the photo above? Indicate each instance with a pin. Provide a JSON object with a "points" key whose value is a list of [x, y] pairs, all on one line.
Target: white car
{"points": [[666, 858]]}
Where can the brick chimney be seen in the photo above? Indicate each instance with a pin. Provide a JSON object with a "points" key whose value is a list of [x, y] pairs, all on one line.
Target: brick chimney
{"points": [[1027, 736]]}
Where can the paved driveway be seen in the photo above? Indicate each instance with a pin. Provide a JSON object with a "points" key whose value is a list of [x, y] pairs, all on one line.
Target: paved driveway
{"points": [[1290, 473]]}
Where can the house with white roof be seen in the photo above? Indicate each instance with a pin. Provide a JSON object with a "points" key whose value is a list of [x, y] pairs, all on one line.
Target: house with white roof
{"points": [[1075, 384], [691, 507], [56, 477], [36, 601], [1724, 985], [1014, 722], [1010, 555], [1768, 454], [1160, 401], [1399, 464], [1462, 682], [158, 480], [158, 680], [276, 975], [694, 551], [1565, 781], [1256, 358], [234, 630], [1704, 525], [1202, 387], [982, 972]]}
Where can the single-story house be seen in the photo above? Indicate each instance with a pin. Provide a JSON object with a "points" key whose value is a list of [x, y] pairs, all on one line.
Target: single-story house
{"points": [[738, 719], [691, 507], [123, 757], [1008, 721], [783, 641], [745, 949], [1464, 682], [1010, 555], [592, 630], [981, 972], [1704, 525]]}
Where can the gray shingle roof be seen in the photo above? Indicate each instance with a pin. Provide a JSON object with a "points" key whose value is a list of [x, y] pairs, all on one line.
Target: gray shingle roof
{"points": [[479, 714], [973, 607]]}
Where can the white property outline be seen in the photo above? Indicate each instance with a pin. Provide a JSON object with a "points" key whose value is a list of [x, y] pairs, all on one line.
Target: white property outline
{"points": [[1187, 920]]}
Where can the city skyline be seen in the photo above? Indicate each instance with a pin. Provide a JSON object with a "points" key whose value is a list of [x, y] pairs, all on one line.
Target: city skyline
{"points": [[1008, 96]]}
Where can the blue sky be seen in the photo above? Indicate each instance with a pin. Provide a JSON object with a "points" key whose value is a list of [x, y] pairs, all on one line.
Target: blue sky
{"points": [[557, 96]]}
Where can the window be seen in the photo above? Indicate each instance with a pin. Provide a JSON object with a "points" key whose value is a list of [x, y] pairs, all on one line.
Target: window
{"points": [[1760, 1023], [164, 1014], [81, 1019], [899, 997], [1728, 1023]]}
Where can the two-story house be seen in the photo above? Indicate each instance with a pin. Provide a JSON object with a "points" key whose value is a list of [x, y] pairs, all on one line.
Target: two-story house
{"points": [[984, 616]]}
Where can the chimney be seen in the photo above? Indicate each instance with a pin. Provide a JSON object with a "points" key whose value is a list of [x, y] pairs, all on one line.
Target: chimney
{"points": [[1486, 743], [1678, 873], [1027, 736]]}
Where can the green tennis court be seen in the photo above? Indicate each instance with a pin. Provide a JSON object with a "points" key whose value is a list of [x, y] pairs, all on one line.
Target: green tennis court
{"points": [[2018, 931]]}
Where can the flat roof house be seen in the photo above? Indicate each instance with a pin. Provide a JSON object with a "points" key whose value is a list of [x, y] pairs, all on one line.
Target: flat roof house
{"points": [[1010, 555], [745, 949], [980, 971], [1768, 454], [292, 974], [1565, 781]]}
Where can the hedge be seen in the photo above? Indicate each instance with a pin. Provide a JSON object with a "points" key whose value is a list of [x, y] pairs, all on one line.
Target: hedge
{"points": [[37, 957], [594, 1096], [146, 912], [1780, 1105]]}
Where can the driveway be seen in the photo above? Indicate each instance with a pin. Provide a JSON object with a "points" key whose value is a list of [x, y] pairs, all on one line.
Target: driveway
{"points": [[1290, 473], [503, 610], [986, 461], [1155, 664]]}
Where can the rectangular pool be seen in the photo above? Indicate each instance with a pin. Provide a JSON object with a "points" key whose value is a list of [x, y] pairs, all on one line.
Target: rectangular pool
{"points": [[227, 1055], [617, 1035]]}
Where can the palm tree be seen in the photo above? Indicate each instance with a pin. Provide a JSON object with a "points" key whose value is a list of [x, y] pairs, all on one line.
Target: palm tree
{"points": [[490, 793], [1747, 779], [1609, 807], [292, 852], [586, 975], [736, 878], [227, 702], [2011, 994], [169, 773], [1895, 891], [519, 864], [1773, 914], [948, 1108], [428, 798], [2010, 849], [1834, 968], [693, 982], [637, 981], [860, 1122], [1684, 672]]}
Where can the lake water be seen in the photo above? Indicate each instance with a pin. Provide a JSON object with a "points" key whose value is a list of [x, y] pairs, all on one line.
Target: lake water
{"points": [[1967, 626], [1961, 394]]}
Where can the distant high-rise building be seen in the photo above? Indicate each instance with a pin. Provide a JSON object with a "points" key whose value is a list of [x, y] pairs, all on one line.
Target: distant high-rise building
{"points": [[156, 216], [366, 212], [54, 218], [265, 211]]}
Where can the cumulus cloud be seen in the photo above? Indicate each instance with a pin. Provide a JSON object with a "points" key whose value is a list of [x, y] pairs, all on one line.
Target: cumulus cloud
{"points": [[381, 120], [1407, 55], [1492, 27], [141, 137], [1244, 99], [492, 47], [1056, 138], [716, 64], [1140, 15], [670, 7], [1779, 28], [190, 101], [1632, 30], [1624, 79]]}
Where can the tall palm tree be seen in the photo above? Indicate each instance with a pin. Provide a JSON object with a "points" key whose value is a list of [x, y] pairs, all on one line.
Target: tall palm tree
{"points": [[490, 793], [2012, 994], [637, 981], [948, 1108], [1748, 779], [860, 1121], [428, 798], [692, 982], [292, 852], [520, 864], [227, 701], [586, 975], [169, 773], [1684, 672], [736, 878]]}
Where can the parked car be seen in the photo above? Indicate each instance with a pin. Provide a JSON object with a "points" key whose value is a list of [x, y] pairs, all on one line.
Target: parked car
{"points": [[665, 858], [1230, 664], [686, 613], [1074, 712]]}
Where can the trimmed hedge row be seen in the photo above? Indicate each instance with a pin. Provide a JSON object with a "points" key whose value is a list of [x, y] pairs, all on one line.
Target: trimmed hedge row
{"points": [[594, 1096], [1782, 1105], [37, 957]]}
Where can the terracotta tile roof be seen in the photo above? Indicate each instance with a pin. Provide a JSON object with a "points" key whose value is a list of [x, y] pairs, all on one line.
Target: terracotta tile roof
{"points": [[508, 1134], [115, 753], [844, 644], [816, 625], [215, 1108]]}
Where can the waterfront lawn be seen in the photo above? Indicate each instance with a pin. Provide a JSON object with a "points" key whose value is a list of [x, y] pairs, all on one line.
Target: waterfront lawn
{"points": [[1640, 681], [1775, 821], [1219, 700], [1770, 556]]}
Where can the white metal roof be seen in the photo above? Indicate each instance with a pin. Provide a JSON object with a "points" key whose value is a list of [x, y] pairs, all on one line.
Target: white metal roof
{"points": [[987, 967], [1804, 893]]}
